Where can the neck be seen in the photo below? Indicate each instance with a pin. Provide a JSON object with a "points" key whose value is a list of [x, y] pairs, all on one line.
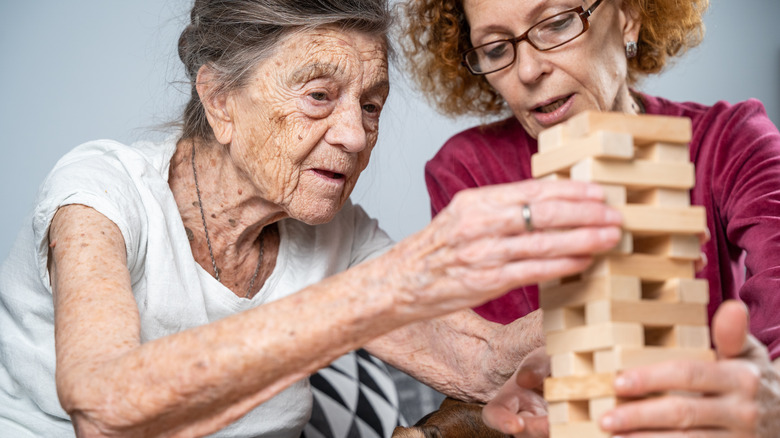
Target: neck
{"points": [[234, 213]]}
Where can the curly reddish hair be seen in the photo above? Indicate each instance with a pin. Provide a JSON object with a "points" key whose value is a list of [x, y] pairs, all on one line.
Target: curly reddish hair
{"points": [[435, 32]]}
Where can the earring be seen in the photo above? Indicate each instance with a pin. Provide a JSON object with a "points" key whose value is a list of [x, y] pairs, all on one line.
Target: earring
{"points": [[631, 49]]}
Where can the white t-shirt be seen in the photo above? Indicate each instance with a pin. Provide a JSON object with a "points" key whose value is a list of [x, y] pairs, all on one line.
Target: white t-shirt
{"points": [[129, 185]]}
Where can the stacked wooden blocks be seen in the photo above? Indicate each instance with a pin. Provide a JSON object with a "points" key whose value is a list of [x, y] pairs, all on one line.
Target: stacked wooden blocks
{"points": [[640, 303]]}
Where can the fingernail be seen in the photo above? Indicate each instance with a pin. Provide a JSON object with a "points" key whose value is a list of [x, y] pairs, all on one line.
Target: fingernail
{"points": [[607, 422], [623, 383]]}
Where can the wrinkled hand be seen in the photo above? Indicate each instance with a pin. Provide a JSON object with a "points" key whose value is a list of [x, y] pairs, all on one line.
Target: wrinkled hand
{"points": [[519, 409], [478, 247], [741, 390]]}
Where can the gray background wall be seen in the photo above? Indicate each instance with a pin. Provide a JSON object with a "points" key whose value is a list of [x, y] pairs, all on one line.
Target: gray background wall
{"points": [[76, 71]]}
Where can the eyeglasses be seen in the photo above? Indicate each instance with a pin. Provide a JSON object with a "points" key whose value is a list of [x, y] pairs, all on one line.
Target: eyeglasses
{"points": [[545, 35]]}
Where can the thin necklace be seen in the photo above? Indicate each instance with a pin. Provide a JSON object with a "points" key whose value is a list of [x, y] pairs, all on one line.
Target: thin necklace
{"points": [[208, 241]]}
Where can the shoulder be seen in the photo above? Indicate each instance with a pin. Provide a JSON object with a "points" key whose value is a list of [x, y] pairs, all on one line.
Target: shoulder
{"points": [[118, 181], [475, 145], [503, 132], [719, 118]]}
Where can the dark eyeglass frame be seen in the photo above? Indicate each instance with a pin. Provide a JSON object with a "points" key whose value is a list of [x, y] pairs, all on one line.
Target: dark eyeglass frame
{"points": [[584, 15]]}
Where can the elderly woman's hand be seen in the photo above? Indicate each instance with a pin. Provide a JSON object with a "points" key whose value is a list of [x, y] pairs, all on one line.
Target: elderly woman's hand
{"points": [[492, 239], [740, 392], [519, 409]]}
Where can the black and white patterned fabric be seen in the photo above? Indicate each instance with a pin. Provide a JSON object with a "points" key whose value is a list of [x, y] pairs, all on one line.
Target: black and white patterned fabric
{"points": [[354, 397]]}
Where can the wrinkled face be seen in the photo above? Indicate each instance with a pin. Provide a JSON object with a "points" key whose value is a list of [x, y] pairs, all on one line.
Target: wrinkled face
{"points": [[546, 88], [304, 126]]}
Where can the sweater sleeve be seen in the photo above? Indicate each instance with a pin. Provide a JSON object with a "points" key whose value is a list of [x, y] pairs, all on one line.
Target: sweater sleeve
{"points": [[750, 209], [446, 174]]}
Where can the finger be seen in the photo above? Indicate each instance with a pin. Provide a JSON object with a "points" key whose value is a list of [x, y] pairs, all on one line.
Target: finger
{"points": [[533, 370], [474, 218], [528, 191], [515, 274], [679, 413], [730, 329], [685, 375], [556, 214], [535, 427], [516, 411], [701, 263], [499, 414], [495, 251]]}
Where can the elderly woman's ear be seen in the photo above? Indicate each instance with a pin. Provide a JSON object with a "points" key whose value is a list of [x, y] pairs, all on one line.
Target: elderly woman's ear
{"points": [[215, 105]]}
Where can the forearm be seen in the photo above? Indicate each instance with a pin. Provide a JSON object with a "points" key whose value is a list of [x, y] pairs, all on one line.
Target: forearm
{"points": [[461, 354], [200, 380]]}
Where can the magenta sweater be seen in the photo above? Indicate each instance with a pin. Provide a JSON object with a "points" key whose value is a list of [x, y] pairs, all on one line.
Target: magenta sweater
{"points": [[736, 152]]}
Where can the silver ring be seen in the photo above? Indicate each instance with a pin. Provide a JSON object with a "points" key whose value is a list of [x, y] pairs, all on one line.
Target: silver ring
{"points": [[529, 226]]}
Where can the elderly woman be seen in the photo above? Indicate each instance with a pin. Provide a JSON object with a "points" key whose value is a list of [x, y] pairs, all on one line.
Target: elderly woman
{"points": [[547, 60], [191, 287]]}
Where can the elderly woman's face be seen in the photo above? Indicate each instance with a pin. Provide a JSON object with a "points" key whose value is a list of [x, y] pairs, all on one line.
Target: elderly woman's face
{"points": [[305, 125], [546, 88]]}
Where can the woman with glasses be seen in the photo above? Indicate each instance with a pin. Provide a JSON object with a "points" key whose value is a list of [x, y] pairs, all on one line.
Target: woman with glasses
{"points": [[545, 61]]}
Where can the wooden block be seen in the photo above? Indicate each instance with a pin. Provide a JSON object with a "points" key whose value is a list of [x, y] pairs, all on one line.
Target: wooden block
{"points": [[660, 197], [614, 145], [681, 336], [676, 246], [555, 177], [563, 318], [579, 293], [645, 267], [625, 246], [677, 290], [577, 429], [645, 128], [635, 175], [595, 337], [663, 152], [579, 387], [621, 358], [571, 364], [615, 194], [651, 220], [567, 411], [597, 407], [647, 313], [551, 138]]}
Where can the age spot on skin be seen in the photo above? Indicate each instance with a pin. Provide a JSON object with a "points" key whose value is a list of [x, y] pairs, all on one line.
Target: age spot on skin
{"points": [[190, 234], [232, 222]]}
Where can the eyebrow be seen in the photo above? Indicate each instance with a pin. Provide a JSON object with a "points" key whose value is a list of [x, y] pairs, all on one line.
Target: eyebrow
{"points": [[311, 71], [534, 11]]}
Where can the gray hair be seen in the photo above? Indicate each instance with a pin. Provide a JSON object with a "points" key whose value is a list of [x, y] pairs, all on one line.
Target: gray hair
{"points": [[233, 36]]}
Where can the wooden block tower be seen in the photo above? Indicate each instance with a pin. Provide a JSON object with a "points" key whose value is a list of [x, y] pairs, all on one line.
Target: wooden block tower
{"points": [[640, 303]]}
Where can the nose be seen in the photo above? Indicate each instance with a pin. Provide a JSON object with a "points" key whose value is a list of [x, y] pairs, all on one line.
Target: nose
{"points": [[347, 130], [530, 63]]}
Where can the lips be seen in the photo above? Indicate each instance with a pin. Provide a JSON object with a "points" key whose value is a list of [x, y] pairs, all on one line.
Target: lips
{"points": [[552, 106], [329, 174]]}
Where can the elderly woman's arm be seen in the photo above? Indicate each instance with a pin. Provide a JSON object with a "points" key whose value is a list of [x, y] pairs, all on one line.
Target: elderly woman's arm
{"points": [[462, 354], [200, 380]]}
